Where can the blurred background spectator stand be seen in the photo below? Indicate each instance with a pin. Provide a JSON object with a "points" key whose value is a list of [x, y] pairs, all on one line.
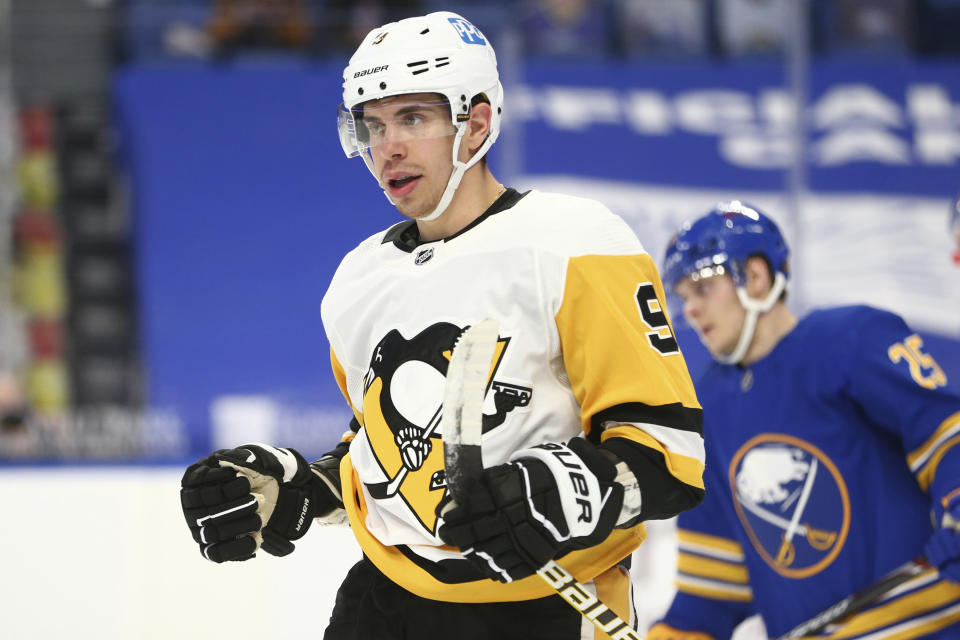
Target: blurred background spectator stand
{"points": [[260, 24], [39, 289], [665, 28], [567, 29]]}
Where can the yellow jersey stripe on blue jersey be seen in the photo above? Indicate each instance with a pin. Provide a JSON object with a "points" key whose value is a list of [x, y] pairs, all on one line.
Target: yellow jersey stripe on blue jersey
{"points": [[714, 589], [915, 628], [947, 429], [713, 546], [699, 566]]}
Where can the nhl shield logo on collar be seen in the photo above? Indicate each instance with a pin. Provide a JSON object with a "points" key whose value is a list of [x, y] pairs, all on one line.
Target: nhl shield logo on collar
{"points": [[423, 256]]}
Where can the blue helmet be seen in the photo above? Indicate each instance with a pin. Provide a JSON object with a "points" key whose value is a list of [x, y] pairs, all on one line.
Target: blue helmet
{"points": [[722, 241]]}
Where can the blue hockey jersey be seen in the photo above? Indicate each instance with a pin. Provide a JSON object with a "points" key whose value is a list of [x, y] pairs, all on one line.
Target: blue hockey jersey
{"points": [[821, 461]]}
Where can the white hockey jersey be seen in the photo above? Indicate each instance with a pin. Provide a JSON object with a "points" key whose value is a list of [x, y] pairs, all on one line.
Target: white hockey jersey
{"points": [[585, 348]]}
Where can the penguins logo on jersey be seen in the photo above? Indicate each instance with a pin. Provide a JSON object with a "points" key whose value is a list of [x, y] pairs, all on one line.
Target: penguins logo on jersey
{"points": [[402, 401], [792, 502]]}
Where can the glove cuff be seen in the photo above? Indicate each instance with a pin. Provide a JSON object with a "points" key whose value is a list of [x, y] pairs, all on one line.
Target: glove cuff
{"points": [[610, 469], [286, 465], [581, 496], [326, 483]]}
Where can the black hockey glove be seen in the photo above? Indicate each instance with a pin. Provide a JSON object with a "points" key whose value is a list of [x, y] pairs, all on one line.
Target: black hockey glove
{"points": [[548, 500], [238, 500]]}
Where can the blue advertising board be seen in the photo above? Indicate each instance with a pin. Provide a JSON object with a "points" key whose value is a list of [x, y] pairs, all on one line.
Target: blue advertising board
{"points": [[887, 127]]}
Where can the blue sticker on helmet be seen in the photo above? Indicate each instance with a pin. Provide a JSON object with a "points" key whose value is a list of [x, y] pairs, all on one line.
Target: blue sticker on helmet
{"points": [[467, 32]]}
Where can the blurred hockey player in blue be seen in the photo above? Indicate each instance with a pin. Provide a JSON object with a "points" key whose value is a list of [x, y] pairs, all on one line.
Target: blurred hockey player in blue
{"points": [[830, 441]]}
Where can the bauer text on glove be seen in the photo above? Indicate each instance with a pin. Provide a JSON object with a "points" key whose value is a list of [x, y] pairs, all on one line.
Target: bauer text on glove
{"points": [[546, 501]]}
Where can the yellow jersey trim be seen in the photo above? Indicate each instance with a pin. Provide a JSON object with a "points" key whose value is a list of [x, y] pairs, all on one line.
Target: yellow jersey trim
{"points": [[725, 546], [918, 457], [900, 609], [717, 569], [584, 564]]}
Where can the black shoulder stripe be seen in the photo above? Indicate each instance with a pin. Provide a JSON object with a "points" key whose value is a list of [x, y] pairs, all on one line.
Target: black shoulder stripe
{"points": [[674, 416]]}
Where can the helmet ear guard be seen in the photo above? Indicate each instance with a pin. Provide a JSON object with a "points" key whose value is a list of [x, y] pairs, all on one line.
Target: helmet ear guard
{"points": [[722, 241]]}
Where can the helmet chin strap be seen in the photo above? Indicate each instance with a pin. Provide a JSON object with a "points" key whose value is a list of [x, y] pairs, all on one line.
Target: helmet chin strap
{"points": [[754, 309], [459, 168]]}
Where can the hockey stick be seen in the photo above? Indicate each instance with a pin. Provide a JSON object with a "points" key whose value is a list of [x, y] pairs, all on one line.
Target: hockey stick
{"points": [[857, 601], [462, 426]]}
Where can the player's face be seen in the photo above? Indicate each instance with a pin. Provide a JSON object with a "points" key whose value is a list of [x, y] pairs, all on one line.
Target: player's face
{"points": [[411, 143], [712, 308]]}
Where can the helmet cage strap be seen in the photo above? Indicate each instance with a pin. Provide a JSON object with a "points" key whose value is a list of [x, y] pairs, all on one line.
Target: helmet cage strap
{"points": [[754, 308], [459, 169]]}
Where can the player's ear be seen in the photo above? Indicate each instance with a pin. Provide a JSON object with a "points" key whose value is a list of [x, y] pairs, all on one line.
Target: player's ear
{"points": [[479, 128], [759, 278]]}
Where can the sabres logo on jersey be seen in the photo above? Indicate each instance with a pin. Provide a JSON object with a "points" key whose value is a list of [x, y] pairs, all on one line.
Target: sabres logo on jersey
{"points": [[792, 502], [402, 401]]}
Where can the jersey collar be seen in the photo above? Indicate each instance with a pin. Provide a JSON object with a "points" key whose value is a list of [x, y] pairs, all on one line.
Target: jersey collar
{"points": [[406, 237]]}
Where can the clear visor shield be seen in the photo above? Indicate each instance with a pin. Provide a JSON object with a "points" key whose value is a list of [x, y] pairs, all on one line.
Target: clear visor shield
{"points": [[391, 121]]}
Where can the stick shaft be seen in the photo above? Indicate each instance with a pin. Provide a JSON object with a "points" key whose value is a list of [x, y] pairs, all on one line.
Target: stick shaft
{"points": [[589, 605], [462, 425], [857, 601]]}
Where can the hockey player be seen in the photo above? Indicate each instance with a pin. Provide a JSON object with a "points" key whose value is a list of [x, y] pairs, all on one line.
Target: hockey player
{"points": [[591, 424], [829, 440]]}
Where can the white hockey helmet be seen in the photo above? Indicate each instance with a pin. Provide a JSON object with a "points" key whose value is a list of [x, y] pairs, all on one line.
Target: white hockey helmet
{"points": [[440, 53]]}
